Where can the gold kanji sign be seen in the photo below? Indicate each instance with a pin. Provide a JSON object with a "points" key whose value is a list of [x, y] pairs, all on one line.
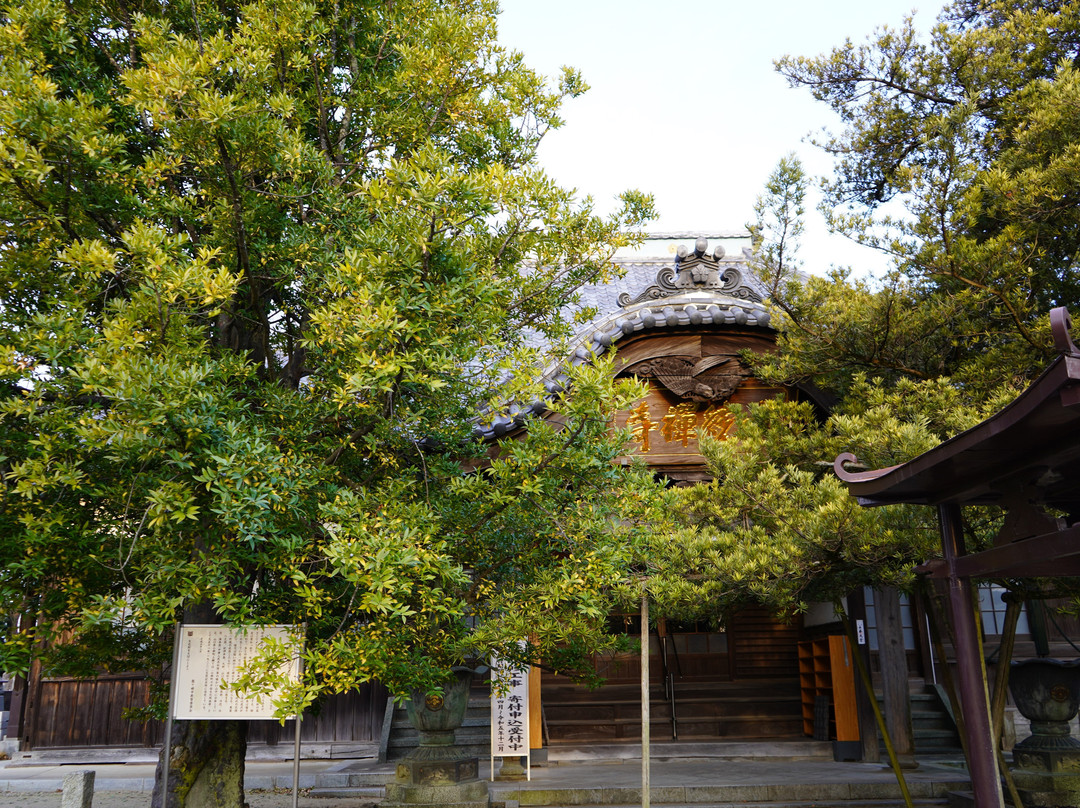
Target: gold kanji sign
{"points": [[679, 423], [640, 424]]}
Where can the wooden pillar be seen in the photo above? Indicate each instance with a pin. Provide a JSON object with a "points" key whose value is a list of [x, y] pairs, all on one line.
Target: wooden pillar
{"points": [[646, 785], [894, 674], [16, 717], [982, 756], [868, 728], [536, 723], [924, 645]]}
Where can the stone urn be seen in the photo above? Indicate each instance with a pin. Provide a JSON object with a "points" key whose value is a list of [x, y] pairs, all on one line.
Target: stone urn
{"points": [[435, 717], [437, 773], [1047, 693]]}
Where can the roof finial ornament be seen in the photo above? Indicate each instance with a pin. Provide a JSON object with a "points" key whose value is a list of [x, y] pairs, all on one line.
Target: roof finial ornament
{"points": [[697, 271], [1061, 328]]}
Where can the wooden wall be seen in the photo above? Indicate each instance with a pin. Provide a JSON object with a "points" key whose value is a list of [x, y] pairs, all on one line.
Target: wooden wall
{"points": [[65, 713], [89, 712], [763, 647]]}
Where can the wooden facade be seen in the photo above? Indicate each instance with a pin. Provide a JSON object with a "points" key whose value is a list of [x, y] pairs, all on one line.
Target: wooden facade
{"points": [[65, 713], [664, 424], [736, 678]]}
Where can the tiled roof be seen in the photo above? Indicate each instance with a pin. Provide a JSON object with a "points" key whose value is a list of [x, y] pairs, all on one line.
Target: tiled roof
{"points": [[691, 285]]}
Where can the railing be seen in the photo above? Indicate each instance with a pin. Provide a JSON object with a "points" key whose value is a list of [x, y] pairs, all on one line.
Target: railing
{"points": [[669, 680]]}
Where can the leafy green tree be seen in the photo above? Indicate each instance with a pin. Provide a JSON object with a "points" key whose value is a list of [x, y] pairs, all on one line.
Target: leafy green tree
{"points": [[263, 263], [955, 156]]}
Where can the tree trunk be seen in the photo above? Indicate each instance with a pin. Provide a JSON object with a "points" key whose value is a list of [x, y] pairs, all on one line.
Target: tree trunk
{"points": [[207, 766]]}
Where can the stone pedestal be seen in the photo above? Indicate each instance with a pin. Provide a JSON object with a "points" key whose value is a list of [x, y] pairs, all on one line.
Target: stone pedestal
{"points": [[422, 768], [437, 774], [1057, 789], [457, 795]]}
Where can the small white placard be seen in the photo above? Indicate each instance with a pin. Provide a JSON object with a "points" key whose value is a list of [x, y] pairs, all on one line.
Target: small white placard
{"points": [[860, 632], [509, 709], [210, 657]]}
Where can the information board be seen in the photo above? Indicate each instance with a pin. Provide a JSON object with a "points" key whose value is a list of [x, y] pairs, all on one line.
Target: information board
{"points": [[509, 710], [209, 658]]}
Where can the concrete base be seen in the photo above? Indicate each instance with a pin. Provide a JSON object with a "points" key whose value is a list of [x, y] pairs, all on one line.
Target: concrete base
{"points": [[458, 795], [512, 769], [847, 750], [1048, 790]]}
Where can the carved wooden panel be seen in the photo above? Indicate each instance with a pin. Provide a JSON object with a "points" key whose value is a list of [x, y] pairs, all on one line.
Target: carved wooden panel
{"points": [[692, 380]]}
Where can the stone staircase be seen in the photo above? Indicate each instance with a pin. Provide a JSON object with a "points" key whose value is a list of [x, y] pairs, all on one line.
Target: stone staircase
{"points": [[750, 710], [935, 732]]}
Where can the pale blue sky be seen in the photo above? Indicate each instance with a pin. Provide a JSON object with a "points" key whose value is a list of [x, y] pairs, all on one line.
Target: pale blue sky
{"points": [[685, 103]]}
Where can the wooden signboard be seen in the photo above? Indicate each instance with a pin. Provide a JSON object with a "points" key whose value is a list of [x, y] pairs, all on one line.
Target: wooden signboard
{"points": [[509, 712], [210, 658]]}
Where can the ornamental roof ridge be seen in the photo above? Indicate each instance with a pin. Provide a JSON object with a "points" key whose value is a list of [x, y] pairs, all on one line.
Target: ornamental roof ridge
{"points": [[724, 292], [674, 234], [606, 333], [698, 270]]}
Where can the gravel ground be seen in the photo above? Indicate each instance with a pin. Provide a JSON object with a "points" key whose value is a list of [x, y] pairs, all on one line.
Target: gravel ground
{"points": [[141, 799]]}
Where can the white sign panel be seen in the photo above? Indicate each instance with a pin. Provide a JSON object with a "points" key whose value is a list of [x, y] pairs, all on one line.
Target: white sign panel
{"points": [[509, 709], [210, 657]]}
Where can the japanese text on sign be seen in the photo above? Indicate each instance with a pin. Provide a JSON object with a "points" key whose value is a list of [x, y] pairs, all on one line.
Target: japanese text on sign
{"points": [[209, 659], [509, 709], [679, 424]]}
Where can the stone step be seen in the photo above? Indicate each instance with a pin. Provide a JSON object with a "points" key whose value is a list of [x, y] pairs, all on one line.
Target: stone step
{"points": [[795, 794], [931, 724], [743, 727], [777, 750], [931, 802]]}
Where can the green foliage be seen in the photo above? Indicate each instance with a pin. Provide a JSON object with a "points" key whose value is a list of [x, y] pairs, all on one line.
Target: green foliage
{"points": [[969, 132], [777, 527], [262, 265], [957, 155]]}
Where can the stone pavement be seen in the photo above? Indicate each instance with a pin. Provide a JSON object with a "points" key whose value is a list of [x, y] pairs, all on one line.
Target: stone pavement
{"points": [[356, 784]]}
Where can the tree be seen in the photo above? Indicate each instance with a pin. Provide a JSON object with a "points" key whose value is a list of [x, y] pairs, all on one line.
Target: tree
{"points": [[954, 156], [968, 132], [263, 264]]}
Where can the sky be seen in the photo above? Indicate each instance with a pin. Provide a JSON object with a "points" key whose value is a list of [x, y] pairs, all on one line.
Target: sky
{"points": [[685, 103]]}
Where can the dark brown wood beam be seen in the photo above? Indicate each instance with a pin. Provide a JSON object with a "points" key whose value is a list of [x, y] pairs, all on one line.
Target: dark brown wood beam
{"points": [[1051, 554]]}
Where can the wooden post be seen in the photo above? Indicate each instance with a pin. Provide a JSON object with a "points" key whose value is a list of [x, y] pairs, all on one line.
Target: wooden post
{"points": [[982, 754], [868, 732], [645, 784], [894, 674], [536, 725], [17, 713], [296, 764]]}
